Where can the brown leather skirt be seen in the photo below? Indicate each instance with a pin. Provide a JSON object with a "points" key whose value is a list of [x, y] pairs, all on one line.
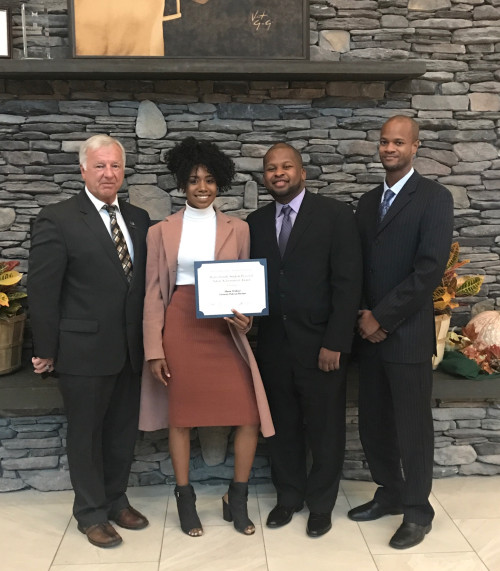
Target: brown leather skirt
{"points": [[210, 383]]}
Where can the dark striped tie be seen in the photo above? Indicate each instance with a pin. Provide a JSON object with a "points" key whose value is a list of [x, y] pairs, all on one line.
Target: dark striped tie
{"points": [[119, 242]]}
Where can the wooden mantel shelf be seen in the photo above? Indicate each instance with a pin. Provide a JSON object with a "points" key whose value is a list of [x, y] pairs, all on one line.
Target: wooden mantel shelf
{"points": [[196, 69]]}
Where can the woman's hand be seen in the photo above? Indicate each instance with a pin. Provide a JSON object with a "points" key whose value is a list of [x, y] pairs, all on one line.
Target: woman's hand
{"points": [[159, 369], [240, 321]]}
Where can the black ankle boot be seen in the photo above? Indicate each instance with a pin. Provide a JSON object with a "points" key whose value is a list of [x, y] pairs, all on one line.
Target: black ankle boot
{"points": [[186, 508], [235, 509]]}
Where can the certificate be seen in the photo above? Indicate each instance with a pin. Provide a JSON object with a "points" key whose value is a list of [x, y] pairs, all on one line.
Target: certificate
{"points": [[231, 284]]}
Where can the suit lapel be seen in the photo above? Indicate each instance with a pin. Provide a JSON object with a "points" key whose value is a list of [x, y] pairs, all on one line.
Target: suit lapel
{"points": [[371, 223], [305, 216], [95, 224], [129, 221], [171, 231], [224, 229], [268, 231], [405, 195]]}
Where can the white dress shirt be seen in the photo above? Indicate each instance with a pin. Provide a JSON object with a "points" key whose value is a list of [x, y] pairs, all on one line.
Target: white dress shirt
{"points": [[397, 186]]}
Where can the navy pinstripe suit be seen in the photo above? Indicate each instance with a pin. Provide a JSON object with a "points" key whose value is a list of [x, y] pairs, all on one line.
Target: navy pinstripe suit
{"points": [[404, 259]]}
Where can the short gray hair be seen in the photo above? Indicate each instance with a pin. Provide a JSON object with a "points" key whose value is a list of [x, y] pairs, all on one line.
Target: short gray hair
{"points": [[96, 142]]}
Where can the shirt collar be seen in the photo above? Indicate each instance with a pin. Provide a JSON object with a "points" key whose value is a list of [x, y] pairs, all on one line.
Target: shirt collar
{"points": [[397, 186], [294, 203], [99, 203]]}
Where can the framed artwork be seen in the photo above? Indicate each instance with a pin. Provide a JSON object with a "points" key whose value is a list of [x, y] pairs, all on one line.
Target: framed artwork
{"points": [[241, 29], [5, 31]]}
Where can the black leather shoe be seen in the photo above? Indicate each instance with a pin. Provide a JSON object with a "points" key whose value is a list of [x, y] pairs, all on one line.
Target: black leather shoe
{"points": [[281, 515], [409, 535], [318, 524], [372, 510]]}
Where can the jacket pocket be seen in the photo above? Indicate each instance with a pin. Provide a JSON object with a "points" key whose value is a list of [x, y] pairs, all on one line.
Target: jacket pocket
{"points": [[79, 325], [318, 316]]}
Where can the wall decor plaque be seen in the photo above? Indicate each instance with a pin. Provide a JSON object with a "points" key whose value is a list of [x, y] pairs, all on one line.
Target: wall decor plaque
{"points": [[248, 29]]}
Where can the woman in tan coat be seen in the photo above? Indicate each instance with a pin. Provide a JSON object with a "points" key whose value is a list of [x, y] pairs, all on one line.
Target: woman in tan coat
{"points": [[204, 366]]}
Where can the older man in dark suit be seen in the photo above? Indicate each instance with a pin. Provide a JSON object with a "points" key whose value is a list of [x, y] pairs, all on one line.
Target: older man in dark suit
{"points": [[314, 273], [406, 227], [86, 290]]}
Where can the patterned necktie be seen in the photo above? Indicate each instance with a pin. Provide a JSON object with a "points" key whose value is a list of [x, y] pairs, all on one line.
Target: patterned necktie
{"points": [[119, 242], [286, 228], [385, 204]]}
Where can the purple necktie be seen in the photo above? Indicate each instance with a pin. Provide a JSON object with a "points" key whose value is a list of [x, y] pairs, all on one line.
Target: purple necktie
{"points": [[286, 228]]}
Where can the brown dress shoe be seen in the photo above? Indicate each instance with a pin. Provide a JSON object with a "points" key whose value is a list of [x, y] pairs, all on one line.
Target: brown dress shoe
{"points": [[101, 534], [129, 518]]}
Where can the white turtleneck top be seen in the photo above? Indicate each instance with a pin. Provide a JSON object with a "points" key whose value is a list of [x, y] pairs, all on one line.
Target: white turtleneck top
{"points": [[197, 242]]}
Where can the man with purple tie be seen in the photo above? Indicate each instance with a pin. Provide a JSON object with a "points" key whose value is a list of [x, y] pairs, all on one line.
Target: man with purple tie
{"points": [[314, 274]]}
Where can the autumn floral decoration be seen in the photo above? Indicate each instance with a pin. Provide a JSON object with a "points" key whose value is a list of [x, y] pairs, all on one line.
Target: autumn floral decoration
{"points": [[453, 285], [9, 293]]}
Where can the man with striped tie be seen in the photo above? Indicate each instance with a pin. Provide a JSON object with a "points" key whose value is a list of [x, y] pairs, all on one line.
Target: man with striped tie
{"points": [[86, 290], [406, 227]]}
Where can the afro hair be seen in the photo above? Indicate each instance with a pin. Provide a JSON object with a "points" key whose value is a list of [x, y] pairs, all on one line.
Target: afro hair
{"points": [[190, 153]]}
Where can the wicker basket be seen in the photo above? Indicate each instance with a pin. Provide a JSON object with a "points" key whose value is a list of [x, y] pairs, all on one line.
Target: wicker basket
{"points": [[11, 343]]}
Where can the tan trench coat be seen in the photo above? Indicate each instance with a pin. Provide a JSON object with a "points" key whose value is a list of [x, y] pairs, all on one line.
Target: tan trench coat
{"points": [[232, 242]]}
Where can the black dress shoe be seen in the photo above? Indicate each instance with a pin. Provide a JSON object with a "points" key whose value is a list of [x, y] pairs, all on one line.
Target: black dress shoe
{"points": [[409, 535], [318, 524], [281, 515], [372, 510]]}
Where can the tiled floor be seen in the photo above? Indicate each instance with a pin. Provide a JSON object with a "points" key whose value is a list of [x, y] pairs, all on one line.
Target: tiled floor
{"points": [[38, 534]]}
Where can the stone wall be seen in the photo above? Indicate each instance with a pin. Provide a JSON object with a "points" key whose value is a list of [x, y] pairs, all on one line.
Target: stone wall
{"points": [[32, 454], [466, 441], [334, 124]]}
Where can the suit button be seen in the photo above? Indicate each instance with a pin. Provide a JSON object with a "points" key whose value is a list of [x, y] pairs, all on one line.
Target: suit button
{"points": [[284, 317], [282, 272]]}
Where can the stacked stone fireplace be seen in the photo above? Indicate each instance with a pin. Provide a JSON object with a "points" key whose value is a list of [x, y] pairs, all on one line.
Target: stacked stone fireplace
{"points": [[334, 124]]}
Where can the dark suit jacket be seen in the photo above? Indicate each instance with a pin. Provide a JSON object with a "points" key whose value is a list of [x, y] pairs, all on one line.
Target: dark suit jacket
{"points": [[314, 292], [404, 260], [83, 311]]}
